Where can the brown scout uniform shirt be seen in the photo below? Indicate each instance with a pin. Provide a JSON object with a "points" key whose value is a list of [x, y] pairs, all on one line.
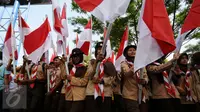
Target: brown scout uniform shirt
{"points": [[78, 88], [130, 86], [108, 81], [196, 85], [158, 89], [182, 90]]}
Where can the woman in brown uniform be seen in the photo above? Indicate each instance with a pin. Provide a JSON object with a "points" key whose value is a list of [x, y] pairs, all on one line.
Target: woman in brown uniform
{"points": [[53, 97], [165, 97], [182, 78], [38, 74], [130, 81], [196, 78], [103, 100], [76, 86]]}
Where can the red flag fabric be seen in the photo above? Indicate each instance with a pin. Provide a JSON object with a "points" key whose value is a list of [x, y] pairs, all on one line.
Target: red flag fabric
{"points": [[192, 20], [56, 17], [85, 38], [38, 41], [156, 36], [64, 21], [8, 43], [120, 57], [104, 10]]}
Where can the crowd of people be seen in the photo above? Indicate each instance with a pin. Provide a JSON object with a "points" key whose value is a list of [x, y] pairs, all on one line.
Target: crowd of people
{"points": [[172, 86]]}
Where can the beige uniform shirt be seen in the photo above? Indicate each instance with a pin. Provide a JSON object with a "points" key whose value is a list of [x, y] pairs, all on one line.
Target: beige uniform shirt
{"points": [[158, 90], [108, 82], [196, 85], [78, 88], [130, 86]]}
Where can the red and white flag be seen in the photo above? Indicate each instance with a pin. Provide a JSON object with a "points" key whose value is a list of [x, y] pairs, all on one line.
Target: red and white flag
{"points": [[56, 17], [85, 39], [38, 41], [64, 28], [109, 52], [24, 27], [155, 34], [120, 57], [104, 10], [191, 22], [60, 45], [9, 42]]}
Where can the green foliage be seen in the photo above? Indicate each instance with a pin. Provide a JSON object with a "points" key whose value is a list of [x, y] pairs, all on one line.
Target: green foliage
{"points": [[177, 11], [193, 48]]}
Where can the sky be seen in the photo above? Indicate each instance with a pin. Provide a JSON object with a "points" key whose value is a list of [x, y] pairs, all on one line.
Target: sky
{"points": [[37, 13], [36, 16]]}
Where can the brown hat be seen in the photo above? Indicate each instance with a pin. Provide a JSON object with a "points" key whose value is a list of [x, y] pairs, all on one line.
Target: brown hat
{"points": [[127, 48]]}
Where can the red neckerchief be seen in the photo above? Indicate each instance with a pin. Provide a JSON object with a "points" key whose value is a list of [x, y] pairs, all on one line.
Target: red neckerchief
{"points": [[33, 74], [187, 86], [100, 87], [72, 73], [53, 79], [169, 88]]}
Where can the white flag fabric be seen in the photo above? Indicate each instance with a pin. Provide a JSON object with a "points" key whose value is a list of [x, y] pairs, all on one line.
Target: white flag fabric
{"points": [[120, 57], [85, 39], [38, 42], [9, 42], [154, 40], [104, 10]]}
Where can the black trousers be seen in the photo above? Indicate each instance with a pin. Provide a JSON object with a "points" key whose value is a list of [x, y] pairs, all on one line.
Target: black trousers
{"points": [[91, 104], [1, 100], [165, 105], [118, 104], [37, 103], [51, 102], [98, 105], [131, 105], [74, 106], [188, 108], [197, 107], [61, 106], [144, 106]]}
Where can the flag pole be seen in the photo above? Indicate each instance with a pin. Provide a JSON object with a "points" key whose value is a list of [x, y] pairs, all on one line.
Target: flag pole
{"points": [[13, 45], [140, 86], [21, 39], [48, 80]]}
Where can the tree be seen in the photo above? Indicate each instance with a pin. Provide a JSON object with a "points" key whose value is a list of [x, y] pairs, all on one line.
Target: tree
{"points": [[191, 49], [177, 10]]}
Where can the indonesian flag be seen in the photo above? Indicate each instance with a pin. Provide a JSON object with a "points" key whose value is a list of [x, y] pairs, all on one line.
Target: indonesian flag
{"points": [[59, 45], [104, 10], [191, 22], [24, 28], [109, 52], [56, 17], [64, 29], [85, 38], [9, 42], [38, 41], [155, 34], [120, 57]]}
